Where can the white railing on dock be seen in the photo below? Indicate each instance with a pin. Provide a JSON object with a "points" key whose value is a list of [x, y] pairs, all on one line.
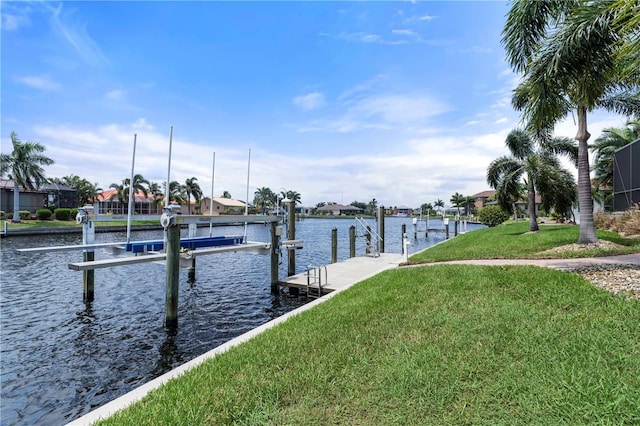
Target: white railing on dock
{"points": [[314, 282], [373, 242]]}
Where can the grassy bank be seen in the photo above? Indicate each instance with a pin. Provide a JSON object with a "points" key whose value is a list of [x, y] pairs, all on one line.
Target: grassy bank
{"points": [[444, 344], [513, 241]]}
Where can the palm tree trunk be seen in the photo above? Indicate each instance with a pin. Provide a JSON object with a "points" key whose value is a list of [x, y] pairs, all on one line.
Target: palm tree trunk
{"points": [[16, 202], [585, 202], [533, 219]]}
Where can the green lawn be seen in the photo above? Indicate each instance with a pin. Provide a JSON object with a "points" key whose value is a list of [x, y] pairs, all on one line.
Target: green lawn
{"points": [[444, 344], [513, 240]]}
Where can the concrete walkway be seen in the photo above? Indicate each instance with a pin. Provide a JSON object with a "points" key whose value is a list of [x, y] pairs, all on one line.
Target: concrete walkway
{"points": [[562, 264]]}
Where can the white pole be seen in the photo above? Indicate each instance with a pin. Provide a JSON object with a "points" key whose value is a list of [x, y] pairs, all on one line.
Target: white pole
{"points": [[131, 189], [246, 203], [166, 192], [213, 174]]}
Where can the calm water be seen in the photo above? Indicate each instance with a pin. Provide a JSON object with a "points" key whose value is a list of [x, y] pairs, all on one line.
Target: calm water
{"points": [[61, 358]]}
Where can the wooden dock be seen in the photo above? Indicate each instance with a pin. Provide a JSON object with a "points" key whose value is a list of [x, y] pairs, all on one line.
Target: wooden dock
{"points": [[342, 275]]}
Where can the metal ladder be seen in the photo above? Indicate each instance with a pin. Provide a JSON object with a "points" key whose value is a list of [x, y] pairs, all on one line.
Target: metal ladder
{"points": [[314, 280], [363, 229]]}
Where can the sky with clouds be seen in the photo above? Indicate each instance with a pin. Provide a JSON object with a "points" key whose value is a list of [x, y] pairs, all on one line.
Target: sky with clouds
{"points": [[404, 102]]}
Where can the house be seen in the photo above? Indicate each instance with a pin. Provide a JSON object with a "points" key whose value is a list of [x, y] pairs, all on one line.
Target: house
{"points": [[339, 210], [221, 206], [402, 211], [626, 176], [49, 195], [482, 199], [108, 203]]}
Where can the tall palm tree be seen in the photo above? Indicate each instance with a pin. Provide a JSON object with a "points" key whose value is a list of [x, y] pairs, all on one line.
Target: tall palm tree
{"points": [[157, 194], [293, 196], [191, 187], [457, 200], [572, 59], [538, 165], [24, 167]]}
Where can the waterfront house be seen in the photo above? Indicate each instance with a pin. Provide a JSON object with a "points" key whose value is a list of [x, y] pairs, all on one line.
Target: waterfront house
{"points": [[221, 206], [339, 210], [49, 195]]}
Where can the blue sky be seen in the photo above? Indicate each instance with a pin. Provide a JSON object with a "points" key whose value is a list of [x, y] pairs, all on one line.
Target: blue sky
{"points": [[405, 102]]}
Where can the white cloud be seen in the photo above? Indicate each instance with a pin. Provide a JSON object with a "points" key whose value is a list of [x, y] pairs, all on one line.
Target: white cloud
{"points": [[501, 120], [14, 16], [115, 95], [310, 101], [405, 33], [42, 82]]}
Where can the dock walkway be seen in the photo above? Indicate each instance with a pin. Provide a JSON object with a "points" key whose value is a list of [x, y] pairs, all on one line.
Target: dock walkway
{"points": [[344, 274]]}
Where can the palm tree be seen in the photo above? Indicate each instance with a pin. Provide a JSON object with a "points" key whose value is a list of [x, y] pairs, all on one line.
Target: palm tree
{"points": [[604, 148], [539, 166], [177, 192], [457, 200], [140, 184], [572, 57], [439, 203], [469, 204], [87, 192], [24, 167], [226, 194], [263, 199], [293, 196], [156, 193], [191, 187]]}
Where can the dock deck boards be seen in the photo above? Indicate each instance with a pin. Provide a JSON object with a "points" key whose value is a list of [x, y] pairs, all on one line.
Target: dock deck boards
{"points": [[344, 274]]}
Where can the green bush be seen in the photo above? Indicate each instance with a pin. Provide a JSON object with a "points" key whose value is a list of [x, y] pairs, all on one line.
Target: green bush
{"points": [[62, 214], [2, 214], [74, 213], [24, 214], [43, 214], [492, 215]]}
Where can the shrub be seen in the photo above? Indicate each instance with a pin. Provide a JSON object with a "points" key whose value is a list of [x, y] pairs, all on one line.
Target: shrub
{"points": [[62, 214], [43, 214], [2, 214], [24, 214], [626, 223], [492, 215], [74, 213]]}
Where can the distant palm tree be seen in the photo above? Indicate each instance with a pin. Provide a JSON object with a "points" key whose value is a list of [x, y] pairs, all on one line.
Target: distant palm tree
{"points": [[140, 184], [457, 200], [226, 194], [191, 187], [541, 167], [156, 193], [439, 204], [469, 204], [293, 196], [23, 167], [177, 193], [263, 199]]}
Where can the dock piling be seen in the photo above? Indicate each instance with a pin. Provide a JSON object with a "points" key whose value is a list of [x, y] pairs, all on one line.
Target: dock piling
{"points": [[381, 229], [275, 242], [352, 241], [291, 235], [403, 234], [88, 255], [334, 245], [173, 273]]}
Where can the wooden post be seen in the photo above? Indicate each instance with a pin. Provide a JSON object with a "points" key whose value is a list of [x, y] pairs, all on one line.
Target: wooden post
{"points": [[415, 229], [275, 240], [352, 241], [88, 276], [402, 235], [381, 228], [368, 238], [334, 245], [291, 235], [446, 230], [455, 228], [173, 275]]}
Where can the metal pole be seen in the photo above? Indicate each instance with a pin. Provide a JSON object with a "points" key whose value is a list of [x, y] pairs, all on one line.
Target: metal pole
{"points": [[88, 276], [291, 235], [213, 174], [352, 241], [274, 257], [368, 238], [403, 234], [334, 245], [131, 194], [173, 274], [381, 228], [246, 203]]}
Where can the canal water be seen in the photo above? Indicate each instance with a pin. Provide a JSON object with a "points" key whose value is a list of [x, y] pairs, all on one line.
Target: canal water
{"points": [[61, 358]]}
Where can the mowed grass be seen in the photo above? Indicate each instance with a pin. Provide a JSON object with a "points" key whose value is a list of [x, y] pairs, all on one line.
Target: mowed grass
{"points": [[513, 240], [443, 344]]}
